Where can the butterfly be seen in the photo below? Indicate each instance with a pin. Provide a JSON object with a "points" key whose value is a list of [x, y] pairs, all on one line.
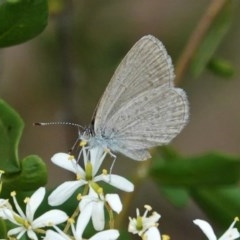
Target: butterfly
{"points": [[140, 107]]}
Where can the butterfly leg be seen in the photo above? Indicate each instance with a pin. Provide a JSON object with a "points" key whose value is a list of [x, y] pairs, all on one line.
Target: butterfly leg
{"points": [[114, 160]]}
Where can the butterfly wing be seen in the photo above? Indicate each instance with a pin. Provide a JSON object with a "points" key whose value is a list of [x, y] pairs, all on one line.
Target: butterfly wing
{"points": [[140, 107], [138, 72], [151, 119]]}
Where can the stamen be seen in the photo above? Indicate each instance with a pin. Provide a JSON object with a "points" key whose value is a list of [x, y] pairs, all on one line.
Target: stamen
{"points": [[26, 200], [104, 172], [100, 190], [71, 221], [13, 193], [78, 177], [165, 237], [71, 157], [83, 143], [79, 196], [148, 207]]}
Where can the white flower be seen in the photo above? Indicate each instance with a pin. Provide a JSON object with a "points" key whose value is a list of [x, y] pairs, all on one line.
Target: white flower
{"points": [[111, 234], [93, 204], [231, 233], [144, 226], [84, 177], [3, 205], [25, 221]]}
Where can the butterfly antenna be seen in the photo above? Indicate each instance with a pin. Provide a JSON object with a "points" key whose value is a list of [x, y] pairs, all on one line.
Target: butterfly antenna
{"points": [[58, 123]]}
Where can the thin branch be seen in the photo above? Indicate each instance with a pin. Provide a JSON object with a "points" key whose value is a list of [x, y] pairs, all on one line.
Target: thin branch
{"points": [[198, 35]]}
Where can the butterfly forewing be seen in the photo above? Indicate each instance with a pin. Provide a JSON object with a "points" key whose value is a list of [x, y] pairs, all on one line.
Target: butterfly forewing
{"points": [[146, 66]]}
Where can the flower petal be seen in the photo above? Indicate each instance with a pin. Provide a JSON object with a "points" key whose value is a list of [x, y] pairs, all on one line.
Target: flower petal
{"points": [[4, 204], [32, 235], [152, 233], [151, 220], [63, 192], [132, 225], [97, 156], [98, 217], [50, 235], [114, 202], [230, 234], [88, 199], [63, 160], [50, 218], [116, 181], [10, 215], [18, 230], [206, 228], [106, 235], [83, 220], [34, 201]]}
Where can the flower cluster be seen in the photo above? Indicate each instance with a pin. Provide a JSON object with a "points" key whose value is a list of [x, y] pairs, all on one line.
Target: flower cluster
{"points": [[91, 203], [25, 222], [94, 207]]}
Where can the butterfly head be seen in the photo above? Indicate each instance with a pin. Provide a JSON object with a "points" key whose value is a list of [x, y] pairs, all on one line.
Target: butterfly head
{"points": [[85, 135]]}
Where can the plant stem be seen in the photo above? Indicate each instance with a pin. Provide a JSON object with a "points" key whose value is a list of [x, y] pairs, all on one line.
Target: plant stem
{"points": [[197, 36]]}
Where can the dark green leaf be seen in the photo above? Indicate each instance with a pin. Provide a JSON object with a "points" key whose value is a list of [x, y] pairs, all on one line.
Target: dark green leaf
{"points": [[222, 205], [21, 20], [125, 235], [33, 174], [212, 169], [177, 196], [27, 174], [11, 127], [212, 40], [168, 153], [221, 67]]}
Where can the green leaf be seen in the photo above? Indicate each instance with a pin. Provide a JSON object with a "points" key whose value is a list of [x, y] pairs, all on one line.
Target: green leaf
{"points": [[168, 153], [212, 169], [33, 174], [27, 174], [177, 196], [221, 205], [221, 67], [11, 127], [212, 40], [21, 20], [125, 235]]}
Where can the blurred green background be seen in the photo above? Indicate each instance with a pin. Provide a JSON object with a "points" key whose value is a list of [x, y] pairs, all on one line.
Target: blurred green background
{"points": [[61, 74]]}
